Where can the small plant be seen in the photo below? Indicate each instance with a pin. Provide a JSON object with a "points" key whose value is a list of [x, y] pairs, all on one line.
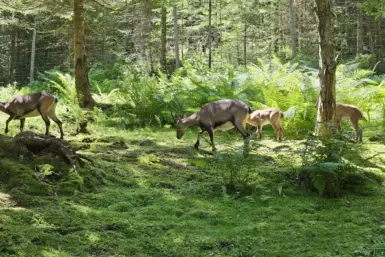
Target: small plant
{"points": [[324, 169], [378, 248], [237, 171]]}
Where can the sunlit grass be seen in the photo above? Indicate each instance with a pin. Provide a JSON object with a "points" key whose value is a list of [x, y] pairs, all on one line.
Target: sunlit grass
{"points": [[158, 196]]}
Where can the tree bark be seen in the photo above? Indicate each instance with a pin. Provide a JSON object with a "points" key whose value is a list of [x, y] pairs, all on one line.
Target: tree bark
{"points": [[360, 32], [163, 61], [245, 45], [327, 67], [293, 32], [33, 51], [209, 39], [81, 66], [176, 37], [12, 61]]}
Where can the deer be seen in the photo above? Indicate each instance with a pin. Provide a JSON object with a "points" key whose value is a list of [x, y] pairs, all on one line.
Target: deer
{"points": [[36, 104], [352, 113], [348, 112], [219, 115], [272, 116]]}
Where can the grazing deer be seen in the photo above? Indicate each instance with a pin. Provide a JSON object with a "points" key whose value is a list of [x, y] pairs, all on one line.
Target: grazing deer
{"points": [[272, 116], [32, 105], [352, 113], [218, 115]]}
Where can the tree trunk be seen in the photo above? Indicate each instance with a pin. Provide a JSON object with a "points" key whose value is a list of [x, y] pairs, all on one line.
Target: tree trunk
{"points": [[360, 32], [176, 37], [81, 67], [209, 39], [182, 33], [152, 70], [33, 51], [293, 32], [327, 73], [238, 50], [12, 60], [163, 61], [245, 45]]}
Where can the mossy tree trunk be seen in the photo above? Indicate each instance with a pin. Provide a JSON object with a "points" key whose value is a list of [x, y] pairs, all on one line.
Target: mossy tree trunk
{"points": [[327, 68], [80, 61]]}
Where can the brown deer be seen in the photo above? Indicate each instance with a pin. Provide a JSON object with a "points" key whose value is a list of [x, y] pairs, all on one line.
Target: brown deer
{"points": [[272, 116], [36, 104], [352, 113], [218, 115]]}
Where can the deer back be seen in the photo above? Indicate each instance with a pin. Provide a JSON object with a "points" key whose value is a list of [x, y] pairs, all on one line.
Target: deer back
{"points": [[222, 111], [347, 111], [267, 116], [27, 105]]}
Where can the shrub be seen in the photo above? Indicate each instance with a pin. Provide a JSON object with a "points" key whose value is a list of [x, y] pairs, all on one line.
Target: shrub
{"points": [[324, 169]]}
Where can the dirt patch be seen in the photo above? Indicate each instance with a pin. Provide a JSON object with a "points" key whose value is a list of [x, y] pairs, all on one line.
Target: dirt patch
{"points": [[7, 200]]}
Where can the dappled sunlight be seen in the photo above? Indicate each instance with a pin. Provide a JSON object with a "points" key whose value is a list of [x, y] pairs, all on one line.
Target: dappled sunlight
{"points": [[146, 189]]}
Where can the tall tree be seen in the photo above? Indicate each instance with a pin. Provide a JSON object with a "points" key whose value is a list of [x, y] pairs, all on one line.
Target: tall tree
{"points": [[163, 38], [245, 45], [80, 61], [210, 36], [176, 36], [360, 32], [327, 68], [293, 32]]}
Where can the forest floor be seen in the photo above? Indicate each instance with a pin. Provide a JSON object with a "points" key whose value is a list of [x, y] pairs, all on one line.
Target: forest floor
{"points": [[148, 194]]}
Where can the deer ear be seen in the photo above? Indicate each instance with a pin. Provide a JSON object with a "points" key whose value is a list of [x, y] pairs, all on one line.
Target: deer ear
{"points": [[179, 116]]}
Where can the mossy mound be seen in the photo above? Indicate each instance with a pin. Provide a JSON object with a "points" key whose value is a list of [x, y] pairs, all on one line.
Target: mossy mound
{"points": [[26, 173]]}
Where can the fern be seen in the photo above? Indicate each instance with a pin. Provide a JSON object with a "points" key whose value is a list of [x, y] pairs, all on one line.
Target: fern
{"points": [[379, 247]]}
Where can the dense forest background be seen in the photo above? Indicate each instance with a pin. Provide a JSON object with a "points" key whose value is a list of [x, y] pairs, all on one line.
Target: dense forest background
{"points": [[38, 36]]}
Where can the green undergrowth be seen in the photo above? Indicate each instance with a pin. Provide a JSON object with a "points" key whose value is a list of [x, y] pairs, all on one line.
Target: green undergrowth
{"points": [[145, 193]]}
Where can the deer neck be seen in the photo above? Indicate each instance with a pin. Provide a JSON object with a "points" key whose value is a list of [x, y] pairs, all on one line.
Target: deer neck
{"points": [[191, 120]]}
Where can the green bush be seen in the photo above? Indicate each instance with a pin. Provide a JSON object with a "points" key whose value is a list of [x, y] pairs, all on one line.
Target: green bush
{"points": [[324, 169]]}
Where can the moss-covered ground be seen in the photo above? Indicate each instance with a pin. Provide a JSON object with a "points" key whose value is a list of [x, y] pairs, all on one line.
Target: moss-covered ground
{"points": [[148, 194]]}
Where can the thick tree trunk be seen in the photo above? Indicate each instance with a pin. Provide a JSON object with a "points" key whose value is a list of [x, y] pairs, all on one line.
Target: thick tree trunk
{"points": [[209, 39], [163, 61], [80, 62], [327, 101], [293, 32], [176, 37]]}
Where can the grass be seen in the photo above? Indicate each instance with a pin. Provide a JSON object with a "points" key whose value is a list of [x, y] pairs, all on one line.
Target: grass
{"points": [[149, 194]]}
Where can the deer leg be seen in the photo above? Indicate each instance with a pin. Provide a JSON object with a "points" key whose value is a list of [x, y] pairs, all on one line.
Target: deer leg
{"points": [[280, 132], [22, 122], [46, 121], [259, 131], [199, 135], [241, 126], [358, 129], [52, 115], [276, 131], [338, 124], [211, 134], [7, 123]]}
